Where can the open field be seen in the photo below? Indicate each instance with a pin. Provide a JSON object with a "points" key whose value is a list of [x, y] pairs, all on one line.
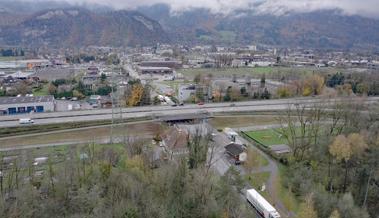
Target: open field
{"points": [[221, 122], [41, 92], [145, 129], [2, 58], [257, 180], [255, 72], [267, 137], [32, 129]]}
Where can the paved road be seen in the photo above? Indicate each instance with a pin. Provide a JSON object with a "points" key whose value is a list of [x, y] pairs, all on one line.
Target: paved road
{"points": [[221, 164], [149, 111], [272, 167]]}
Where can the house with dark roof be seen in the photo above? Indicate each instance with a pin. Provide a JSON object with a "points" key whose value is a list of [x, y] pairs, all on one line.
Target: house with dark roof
{"points": [[236, 151]]}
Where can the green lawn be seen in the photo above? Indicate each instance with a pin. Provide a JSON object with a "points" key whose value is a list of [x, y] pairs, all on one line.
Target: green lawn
{"points": [[2, 58], [267, 137], [41, 92], [221, 122], [257, 179]]}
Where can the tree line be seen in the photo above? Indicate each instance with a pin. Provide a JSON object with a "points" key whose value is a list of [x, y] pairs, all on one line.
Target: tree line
{"points": [[334, 163]]}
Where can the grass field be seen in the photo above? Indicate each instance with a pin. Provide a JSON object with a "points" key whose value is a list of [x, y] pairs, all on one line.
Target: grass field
{"points": [[2, 58], [91, 134], [267, 137], [41, 92], [242, 121], [256, 72], [257, 180]]}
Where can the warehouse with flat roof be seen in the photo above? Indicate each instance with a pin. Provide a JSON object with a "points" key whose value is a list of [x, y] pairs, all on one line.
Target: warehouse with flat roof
{"points": [[26, 104]]}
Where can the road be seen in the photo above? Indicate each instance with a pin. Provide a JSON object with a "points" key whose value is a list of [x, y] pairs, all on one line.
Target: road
{"points": [[221, 164], [150, 111]]}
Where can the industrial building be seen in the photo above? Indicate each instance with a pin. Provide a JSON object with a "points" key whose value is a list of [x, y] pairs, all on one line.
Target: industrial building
{"points": [[26, 104], [161, 63], [155, 70]]}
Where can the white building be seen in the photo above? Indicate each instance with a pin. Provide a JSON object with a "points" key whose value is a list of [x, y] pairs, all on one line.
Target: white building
{"points": [[26, 104]]}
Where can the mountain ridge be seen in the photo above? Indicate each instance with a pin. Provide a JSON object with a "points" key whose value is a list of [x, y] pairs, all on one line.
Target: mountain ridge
{"points": [[81, 27]]}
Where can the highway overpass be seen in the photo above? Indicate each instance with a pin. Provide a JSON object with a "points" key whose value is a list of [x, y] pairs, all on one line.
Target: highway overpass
{"points": [[153, 111]]}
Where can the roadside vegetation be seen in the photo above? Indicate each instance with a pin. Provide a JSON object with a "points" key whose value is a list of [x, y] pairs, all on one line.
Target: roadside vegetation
{"points": [[333, 165], [122, 180]]}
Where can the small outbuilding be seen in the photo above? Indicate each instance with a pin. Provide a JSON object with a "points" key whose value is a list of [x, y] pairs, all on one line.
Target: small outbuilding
{"points": [[237, 152]]}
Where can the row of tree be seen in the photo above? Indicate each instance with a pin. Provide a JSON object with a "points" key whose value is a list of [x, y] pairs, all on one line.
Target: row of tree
{"points": [[334, 160], [120, 181]]}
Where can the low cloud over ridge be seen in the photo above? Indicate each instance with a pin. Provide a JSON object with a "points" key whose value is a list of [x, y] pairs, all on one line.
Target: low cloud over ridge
{"points": [[366, 8]]}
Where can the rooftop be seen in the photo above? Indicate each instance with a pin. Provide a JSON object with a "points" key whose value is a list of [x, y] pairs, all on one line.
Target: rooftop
{"points": [[26, 99], [234, 149], [154, 68]]}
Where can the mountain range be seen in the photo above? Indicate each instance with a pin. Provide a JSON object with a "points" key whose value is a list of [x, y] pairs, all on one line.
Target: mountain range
{"points": [[81, 27], [317, 29], [96, 25]]}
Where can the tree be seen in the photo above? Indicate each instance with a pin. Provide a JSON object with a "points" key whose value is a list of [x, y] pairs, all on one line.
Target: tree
{"points": [[243, 91], [197, 78], [198, 149], [335, 214], [146, 95], [307, 208], [135, 96], [235, 94], [283, 92], [78, 94], [52, 89], [23, 88], [103, 78], [263, 81], [300, 126], [251, 160], [335, 80], [343, 148]]}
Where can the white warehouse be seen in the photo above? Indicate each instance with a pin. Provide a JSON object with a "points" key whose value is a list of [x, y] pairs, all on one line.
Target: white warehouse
{"points": [[26, 104]]}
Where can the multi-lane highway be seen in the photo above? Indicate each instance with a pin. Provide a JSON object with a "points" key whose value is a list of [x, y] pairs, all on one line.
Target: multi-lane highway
{"points": [[150, 111]]}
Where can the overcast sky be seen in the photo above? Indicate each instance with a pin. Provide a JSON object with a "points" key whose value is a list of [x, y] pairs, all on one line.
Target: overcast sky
{"points": [[361, 7]]}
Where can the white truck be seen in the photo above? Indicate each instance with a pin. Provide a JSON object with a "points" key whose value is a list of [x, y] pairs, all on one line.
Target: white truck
{"points": [[233, 136], [263, 207], [26, 121]]}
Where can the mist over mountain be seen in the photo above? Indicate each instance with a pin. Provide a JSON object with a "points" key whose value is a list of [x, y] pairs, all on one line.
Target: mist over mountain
{"points": [[23, 23], [81, 27], [316, 29]]}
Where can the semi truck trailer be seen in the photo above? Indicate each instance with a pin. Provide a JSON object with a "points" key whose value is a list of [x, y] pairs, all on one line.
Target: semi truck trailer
{"points": [[261, 205]]}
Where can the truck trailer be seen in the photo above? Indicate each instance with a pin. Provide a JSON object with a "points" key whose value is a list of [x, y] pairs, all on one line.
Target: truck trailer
{"points": [[261, 205]]}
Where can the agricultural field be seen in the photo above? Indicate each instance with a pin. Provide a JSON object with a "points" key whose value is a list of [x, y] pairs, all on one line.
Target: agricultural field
{"points": [[267, 137]]}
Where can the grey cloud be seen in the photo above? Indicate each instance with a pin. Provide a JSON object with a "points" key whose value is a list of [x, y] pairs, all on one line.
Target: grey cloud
{"points": [[352, 7]]}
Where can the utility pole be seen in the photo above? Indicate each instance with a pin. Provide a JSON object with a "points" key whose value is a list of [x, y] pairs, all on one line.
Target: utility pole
{"points": [[368, 186]]}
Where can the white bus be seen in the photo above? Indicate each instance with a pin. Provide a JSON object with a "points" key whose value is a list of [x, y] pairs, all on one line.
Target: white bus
{"points": [[263, 207]]}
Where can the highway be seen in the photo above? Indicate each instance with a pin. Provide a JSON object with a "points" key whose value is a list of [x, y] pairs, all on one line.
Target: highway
{"points": [[151, 111]]}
